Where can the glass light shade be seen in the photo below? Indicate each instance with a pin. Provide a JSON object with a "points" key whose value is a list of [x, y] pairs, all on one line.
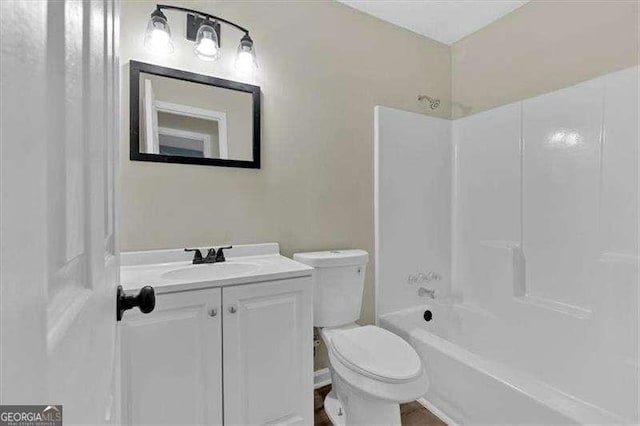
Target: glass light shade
{"points": [[207, 46], [157, 39], [246, 62]]}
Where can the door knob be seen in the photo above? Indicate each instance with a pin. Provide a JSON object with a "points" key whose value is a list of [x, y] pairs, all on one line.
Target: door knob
{"points": [[213, 312], [145, 300], [233, 309]]}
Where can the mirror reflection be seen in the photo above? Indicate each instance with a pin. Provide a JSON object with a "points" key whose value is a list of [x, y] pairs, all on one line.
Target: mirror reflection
{"points": [[180, 120], [194, 120]]}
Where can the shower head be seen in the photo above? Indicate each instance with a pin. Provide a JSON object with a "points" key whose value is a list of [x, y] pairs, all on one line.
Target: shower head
{"points": [[433, 103]]}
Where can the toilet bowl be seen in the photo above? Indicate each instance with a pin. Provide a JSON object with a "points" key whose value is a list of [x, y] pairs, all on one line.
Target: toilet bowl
{"points": [[372, 370]]}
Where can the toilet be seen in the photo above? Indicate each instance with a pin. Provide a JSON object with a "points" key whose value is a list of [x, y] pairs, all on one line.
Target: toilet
{"points": [[372, 369]]}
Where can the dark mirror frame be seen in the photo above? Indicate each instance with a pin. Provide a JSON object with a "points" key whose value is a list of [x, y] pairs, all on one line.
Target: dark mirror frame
{"points": [[134, 115]]}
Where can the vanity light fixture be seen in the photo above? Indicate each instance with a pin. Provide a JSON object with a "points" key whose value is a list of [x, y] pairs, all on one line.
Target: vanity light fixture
{"points": [[246, 56], [207, 45], [158, 35], [204, 30]]}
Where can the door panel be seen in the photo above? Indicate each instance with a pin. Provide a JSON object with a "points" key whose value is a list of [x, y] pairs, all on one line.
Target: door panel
{"points": [[150, 119], [172, 361], [268, 353], [59, 260], [23, 158]]}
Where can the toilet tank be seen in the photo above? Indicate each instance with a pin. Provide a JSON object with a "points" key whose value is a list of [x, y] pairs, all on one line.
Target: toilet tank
{"points": [[338, 285]]}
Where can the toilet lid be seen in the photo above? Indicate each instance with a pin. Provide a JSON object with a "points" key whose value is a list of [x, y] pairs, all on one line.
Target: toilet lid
{"points": [[377, 353]]}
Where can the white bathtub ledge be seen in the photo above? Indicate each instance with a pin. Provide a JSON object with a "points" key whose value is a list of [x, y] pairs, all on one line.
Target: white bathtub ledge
{"points": [[577, 410]]}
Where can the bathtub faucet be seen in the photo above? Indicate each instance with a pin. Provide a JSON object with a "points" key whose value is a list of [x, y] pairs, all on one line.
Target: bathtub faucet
{"points": [[430, 293]]}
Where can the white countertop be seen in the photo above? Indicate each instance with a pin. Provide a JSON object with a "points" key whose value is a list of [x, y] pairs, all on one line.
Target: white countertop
{"points": [[153, 268]]}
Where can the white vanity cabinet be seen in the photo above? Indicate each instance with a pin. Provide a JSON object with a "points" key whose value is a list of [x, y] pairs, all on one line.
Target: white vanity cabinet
{"points": [[171, 361], [235, 355], [268, 353]]}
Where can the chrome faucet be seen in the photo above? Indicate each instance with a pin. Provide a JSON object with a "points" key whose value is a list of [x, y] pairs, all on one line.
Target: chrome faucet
{"points": [[430, 293]]}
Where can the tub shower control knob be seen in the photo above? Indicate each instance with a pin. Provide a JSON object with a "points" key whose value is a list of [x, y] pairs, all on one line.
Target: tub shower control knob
{"points": [[233, 309], [433, 276]]}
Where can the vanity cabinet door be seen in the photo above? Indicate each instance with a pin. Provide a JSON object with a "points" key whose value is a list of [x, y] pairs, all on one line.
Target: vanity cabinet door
{"points": [[268, 353], [172, 361]]}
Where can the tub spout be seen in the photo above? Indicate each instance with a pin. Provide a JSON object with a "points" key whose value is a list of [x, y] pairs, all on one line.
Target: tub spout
{"points": [[430, 293]]}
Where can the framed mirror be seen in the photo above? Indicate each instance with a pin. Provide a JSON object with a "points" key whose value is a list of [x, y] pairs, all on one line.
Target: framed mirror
{"points": [[182, 117]]}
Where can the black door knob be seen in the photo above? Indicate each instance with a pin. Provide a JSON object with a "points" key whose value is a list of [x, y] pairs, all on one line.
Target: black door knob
{"points": [[145, 300]]}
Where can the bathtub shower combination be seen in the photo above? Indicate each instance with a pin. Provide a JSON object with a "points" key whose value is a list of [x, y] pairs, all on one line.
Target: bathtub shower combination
{"points": [[529, 215]]}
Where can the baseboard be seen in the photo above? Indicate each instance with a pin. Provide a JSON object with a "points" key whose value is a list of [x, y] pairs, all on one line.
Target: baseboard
{"points": [[436, 412], [321, 378]]}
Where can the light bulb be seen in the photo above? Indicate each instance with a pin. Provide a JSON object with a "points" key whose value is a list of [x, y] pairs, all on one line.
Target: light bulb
{"points": [[246, 57], [158, 35], [244, 63], [207, 47]]}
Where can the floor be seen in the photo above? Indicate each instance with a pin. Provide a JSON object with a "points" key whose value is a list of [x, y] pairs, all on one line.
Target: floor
{"points": [[412, 413]]}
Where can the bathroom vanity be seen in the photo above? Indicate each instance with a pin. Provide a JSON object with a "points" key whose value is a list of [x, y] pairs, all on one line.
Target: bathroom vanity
{"points": [[227, 343]]}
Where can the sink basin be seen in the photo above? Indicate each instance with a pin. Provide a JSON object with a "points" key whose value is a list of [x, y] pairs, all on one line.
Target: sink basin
{"points": [[211, 271]]}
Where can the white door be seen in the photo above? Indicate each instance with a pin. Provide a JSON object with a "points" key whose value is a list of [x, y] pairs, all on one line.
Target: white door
{"points": [[268, 353], [59, 261], [172, 361]]}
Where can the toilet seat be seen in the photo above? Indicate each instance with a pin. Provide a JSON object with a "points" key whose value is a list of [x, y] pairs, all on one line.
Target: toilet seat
{"points": [[377, 353], [375, 385]]}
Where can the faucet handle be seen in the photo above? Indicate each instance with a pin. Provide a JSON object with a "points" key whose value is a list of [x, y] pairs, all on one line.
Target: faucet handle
{"points": [[220, 254], [197, 257], [211, 256]]}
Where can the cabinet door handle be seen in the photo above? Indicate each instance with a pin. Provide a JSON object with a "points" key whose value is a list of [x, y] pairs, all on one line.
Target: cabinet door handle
{"points": [[233, 309], [213, 312]]}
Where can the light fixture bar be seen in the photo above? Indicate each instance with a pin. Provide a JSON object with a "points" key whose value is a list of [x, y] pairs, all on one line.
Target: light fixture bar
{"points": [[202, 14], [203, 29]]}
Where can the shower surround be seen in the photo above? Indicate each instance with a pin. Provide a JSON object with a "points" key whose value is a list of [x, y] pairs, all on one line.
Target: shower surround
{"points": [[538, 304]]}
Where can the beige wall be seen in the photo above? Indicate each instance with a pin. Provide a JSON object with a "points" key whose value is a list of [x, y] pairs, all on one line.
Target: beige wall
{"points": [[542, 46], [323, 68]]}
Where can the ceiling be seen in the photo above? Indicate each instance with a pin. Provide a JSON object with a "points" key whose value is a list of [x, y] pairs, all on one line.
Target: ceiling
{"points": [[446, 21]]}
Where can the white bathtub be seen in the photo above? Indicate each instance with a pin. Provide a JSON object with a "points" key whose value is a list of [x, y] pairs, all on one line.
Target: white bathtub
{"points": [[484, 370]]}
